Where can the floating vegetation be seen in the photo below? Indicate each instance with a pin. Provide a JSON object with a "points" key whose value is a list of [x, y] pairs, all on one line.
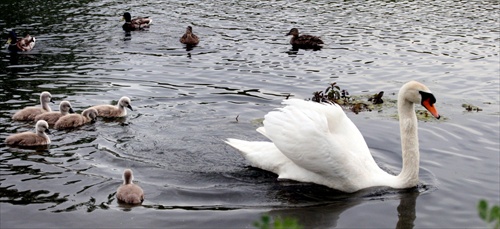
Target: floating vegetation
{"points": [[359, 103], [258, 121], [332, 94], [424, 115], [356, 104], [377, 98], [470, 107]]}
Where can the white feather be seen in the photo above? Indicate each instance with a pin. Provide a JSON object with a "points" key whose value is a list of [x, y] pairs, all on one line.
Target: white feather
{"points": [[313, 142]]}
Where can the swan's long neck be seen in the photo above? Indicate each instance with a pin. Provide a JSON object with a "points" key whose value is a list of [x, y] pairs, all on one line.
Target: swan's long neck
{"points": [[45, 105], [41, 133], [127, 177], [409, 143]]}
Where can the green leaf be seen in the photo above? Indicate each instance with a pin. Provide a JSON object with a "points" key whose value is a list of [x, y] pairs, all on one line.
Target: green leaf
{"points": [[482, 207], [287, 223], [337, 95], [263, 223], [494, 214]]}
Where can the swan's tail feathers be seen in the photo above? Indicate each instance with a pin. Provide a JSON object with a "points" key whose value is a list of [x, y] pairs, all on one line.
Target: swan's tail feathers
{"points": [[132, 198], [260, 154], [249, 149], [262, 131]]}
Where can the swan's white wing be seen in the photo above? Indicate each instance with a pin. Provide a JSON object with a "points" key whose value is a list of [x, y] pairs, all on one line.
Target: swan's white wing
{"points": [[263, 155], [322, 139], [262, 131], [266, 156]]}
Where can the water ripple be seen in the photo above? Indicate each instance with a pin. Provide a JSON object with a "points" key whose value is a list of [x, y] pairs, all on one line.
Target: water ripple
{"points": [[187, 101]]}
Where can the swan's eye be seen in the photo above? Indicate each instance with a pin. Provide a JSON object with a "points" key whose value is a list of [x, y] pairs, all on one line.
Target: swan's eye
{"points": [[426, 96]]}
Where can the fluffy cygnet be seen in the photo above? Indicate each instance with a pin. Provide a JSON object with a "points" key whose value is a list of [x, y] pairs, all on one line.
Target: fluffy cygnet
{"points": [[28, 138], [129, 192], [29, 113], [76, 120], [53, 116], [111, 111]]}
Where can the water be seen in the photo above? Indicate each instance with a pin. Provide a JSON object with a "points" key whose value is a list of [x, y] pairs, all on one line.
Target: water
{"points": [[186, 103]]}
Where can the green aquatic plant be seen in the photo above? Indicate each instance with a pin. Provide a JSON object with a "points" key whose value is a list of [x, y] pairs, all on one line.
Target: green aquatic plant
{"points": [[424, 115], [470, 107], [490, 215], [377, 98], [334, 94], [367, 102], [279, 223]]}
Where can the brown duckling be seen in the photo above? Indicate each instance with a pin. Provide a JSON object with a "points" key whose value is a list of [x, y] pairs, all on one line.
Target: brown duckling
{"points": [[28, 138], [111, 111], [53, 116], [136, 23], [304, 41], [129, 192], [76, 120], [24, 44], [29, 113], [189, 38]]}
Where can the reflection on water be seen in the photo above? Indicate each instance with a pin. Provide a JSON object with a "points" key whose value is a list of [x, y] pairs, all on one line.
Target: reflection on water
{"points": [[406, 210], [326, 216], [189, 100]]}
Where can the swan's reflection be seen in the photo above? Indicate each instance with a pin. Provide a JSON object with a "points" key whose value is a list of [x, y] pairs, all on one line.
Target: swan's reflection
{"points": [[406, 209], [36, 150], [326, 216]]}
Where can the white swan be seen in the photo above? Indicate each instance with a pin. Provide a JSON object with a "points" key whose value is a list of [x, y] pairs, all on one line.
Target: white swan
{"points": [[318, 143]]}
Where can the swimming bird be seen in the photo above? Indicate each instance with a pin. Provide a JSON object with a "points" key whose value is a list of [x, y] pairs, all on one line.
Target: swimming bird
{"points": [[304, 41], [29, 113], [53, 116], [111, 111], [28, 138], [24, 44], [136, 23], [189, 38], [76, 120], [129, 192], [317, 143]]}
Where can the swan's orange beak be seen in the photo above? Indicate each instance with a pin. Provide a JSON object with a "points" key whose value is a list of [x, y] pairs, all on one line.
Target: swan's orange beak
{"points": [[430, 107]]}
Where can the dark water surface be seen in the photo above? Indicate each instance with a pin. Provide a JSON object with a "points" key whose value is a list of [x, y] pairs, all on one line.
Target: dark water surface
{"points": [[186, 102]]}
